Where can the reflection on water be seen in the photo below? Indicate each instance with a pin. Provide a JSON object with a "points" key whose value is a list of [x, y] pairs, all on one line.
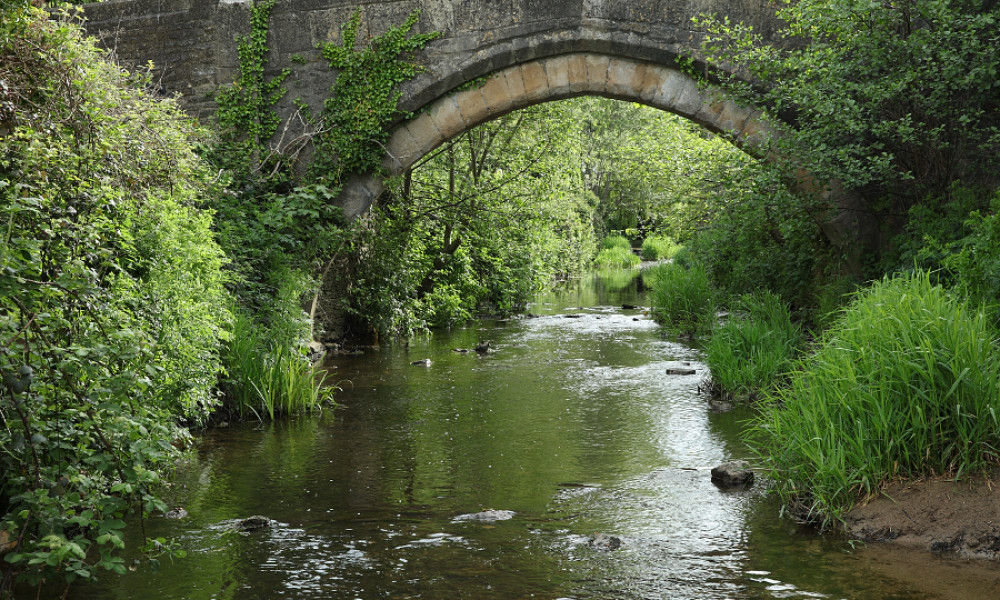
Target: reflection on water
{"points": [[572, 425]]}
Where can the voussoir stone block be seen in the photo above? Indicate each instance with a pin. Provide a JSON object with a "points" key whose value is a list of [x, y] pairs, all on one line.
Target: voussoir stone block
{"points": [[576, 69], [597, 72], [497, 95], [473, 106], [651, 81], [425, 133], [536, 82], [515, 82], [689, 99], [620, 74], [403, 150], [448, 117], [733, 117], [557, 72]]}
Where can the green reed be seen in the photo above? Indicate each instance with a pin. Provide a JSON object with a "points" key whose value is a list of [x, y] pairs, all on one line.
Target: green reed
{"points": [[266, 379], [682, 299], [904, 384], [754, 348]]}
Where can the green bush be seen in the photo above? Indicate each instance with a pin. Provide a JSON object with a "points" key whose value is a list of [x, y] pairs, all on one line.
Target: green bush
{"points": [[112, 298], [615, 241], [268, 379], [682, 299], [904, 384], [617, 257], [977, 265], [659, 247], [754, 349]]}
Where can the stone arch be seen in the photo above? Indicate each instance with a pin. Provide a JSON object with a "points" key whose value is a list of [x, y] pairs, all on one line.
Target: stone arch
{"points": [[548, 79]]}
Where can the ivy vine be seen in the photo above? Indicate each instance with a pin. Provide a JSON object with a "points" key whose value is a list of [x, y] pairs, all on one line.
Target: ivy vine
{"points": [[364, 99], [245, 112]]}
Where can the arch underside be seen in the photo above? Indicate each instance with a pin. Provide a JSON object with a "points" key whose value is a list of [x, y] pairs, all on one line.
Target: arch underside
{"points": [[545, 80]]}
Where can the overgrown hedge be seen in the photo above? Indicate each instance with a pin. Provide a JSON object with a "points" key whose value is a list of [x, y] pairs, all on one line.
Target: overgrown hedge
{"points": [[112, 299]]}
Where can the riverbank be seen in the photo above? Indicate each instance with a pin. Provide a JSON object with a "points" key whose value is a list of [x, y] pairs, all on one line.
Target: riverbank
{"points": [[939, 515]]}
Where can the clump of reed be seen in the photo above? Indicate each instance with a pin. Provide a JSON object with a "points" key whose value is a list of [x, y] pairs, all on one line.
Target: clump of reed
{"points": [[682, 299], [906, 383], [267, 379], [615, 241], [755, 348], [617, 257], [659, 247]]}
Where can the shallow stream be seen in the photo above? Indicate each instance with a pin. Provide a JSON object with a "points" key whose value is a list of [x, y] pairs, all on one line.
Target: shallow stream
{"points": [[571, 423]]}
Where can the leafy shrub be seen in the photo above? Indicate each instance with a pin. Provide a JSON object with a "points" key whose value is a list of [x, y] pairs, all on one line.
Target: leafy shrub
{"points": [[977, 264], [904, 384], [754, 348], [265, 379], [617, 257], [616, 241], [682, 299], [112, 302], [659, 247]]}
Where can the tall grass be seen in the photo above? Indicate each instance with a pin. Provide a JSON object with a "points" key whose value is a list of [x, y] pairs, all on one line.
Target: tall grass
{"points": [[616, 241], [659, 247], [682, 299], [904, 384], [755, 348], [265, 380], [617, 257]]}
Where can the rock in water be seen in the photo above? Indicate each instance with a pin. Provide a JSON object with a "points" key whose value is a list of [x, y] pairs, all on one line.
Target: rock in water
{"points": [[176, 513], [254, 523], [735, 473], [681, 371], [487, 516], [604, 542], [422, 363], [484, 347]]}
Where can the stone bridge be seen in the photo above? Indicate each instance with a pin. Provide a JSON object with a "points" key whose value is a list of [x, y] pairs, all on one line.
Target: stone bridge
{"points": [[530, 51]]}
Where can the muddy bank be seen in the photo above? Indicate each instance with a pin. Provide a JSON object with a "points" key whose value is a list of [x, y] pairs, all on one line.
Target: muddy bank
{"points": [[941, 516]]}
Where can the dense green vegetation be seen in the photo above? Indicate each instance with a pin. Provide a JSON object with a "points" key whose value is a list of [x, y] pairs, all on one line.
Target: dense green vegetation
{"points": [[112, 298], [897, 103], [682, 298], [659, 247], [904, 384], [151, 271], [753, 349]]}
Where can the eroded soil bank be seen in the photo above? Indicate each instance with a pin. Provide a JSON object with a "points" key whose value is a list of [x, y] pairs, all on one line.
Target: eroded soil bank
{"points": [[939, 515]]}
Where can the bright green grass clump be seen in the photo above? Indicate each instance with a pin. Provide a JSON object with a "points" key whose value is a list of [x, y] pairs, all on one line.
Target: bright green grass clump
{"points": [[265, 381], [659, 247], [754, 349], [682, 299], [616, 241], [617, 257], [904, 384]]}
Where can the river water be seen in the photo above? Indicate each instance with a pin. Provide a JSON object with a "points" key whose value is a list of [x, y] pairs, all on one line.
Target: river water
{"points": [[571, 424]]}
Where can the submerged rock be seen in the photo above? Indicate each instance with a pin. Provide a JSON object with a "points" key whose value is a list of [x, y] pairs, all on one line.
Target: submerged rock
{"points": [[629, 307], [735, 473], [605, 542], [254, 523], [487, 516], [461, 350], [484, 347], [176, 513], [720, 406], [674, 371], [426, 362]]}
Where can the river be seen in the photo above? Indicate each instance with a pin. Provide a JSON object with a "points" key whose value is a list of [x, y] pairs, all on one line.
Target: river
{"points": [[571, 424]]}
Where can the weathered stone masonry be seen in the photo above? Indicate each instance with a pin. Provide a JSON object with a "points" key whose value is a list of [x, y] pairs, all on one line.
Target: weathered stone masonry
{"points": [[533, 51]]}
